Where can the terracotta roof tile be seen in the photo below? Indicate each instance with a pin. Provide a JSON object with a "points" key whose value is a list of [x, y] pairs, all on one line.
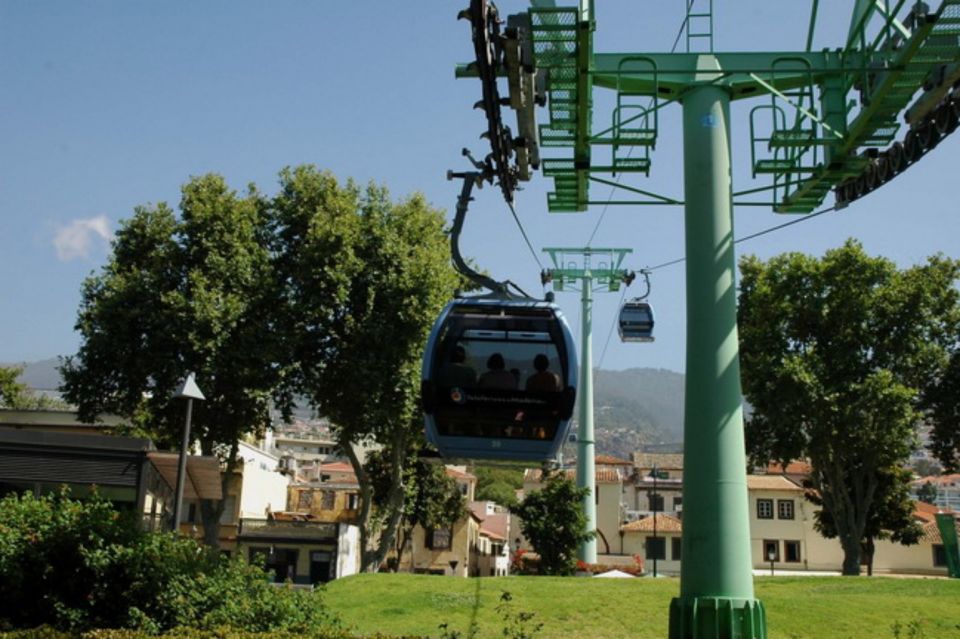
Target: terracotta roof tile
{"points": [[610, 460], [665, 523], [931, 533], [336, 467], [666, 461], [792, 468], [458, 474], [603, 475], [939, 480], [771, 482]]}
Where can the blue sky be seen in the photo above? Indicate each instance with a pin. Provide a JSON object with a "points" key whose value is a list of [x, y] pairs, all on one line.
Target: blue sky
{"points": [[107, 105]]}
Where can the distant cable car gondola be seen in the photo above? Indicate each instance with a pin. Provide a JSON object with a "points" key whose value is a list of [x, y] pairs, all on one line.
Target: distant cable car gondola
{"points": [[499, 371], [499, 380], [636, 321], [636, 317]]}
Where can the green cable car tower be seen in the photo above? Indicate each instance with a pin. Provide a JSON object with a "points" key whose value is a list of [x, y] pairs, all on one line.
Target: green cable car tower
{"points": [[844, 120]]}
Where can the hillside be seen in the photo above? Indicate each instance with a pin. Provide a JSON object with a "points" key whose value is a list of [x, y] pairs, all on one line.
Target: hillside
{"points": [[635, 407], [41, 375]]}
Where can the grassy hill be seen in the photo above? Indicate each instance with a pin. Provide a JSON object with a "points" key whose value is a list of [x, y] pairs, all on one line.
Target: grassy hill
{"points": [[583, 608]]}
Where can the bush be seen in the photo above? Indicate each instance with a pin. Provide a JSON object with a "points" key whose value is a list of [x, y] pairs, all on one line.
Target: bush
{"points": [[78, 565]]}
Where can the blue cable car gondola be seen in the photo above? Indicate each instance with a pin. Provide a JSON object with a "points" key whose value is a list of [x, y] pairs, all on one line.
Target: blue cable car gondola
{"points": [[636, 321], [499, 380], [499, 371]]}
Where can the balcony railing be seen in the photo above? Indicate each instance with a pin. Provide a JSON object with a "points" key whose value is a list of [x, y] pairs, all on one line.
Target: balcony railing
{"points": [[253, 528]]}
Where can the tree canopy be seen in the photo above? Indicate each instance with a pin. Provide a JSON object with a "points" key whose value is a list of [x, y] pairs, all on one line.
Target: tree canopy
{"points": [[554, 523], [836, 355], [178, 295], [13, 394], [16, 395], [944, 402], [325, 291], [363, 279]]}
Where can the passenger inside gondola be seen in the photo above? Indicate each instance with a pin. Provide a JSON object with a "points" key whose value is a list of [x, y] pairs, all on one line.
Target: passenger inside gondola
{"points": [[497, 376], [544, 380], [457, 373]]}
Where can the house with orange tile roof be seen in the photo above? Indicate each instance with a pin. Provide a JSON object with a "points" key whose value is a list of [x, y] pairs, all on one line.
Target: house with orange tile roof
{"points": [[448, 550], [637, 517], [493, 549], [948, 490]]}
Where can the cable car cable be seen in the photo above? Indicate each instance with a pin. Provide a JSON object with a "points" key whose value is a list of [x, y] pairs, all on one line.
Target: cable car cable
{"points": [[752, 236], [613, 325], [524, 233]]}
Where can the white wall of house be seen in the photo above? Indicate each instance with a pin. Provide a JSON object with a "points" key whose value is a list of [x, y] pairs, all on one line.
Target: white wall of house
{"points": [[635, 543], [608, 516], [348, 550], [261, 488]]}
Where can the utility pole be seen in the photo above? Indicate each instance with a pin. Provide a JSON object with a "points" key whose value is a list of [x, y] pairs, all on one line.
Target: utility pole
{"points": [[588, 270]]}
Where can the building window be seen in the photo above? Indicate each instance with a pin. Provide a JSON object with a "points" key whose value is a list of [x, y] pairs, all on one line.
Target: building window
{"points": [[771, 547], [439, 538], [791, 551], [939, 555], [656, 548], [675, 548], [656, 502], [764, 509], [785, 508], [353, 501], [328, 500], [303, 500], [677, 503], [192, 513]]}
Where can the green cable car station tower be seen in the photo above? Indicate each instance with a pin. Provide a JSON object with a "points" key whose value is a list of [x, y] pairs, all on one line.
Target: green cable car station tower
{"points": [[844, 120]]}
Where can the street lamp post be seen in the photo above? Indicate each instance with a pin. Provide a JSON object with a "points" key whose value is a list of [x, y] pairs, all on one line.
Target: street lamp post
{"points": [[189, 391], [772, 556], [656, 502]]}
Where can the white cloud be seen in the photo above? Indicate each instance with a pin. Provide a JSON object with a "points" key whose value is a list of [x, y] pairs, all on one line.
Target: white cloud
{"points": [[75, 240]]}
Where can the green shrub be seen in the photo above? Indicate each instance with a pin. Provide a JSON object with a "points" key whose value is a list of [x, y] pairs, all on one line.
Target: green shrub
{"points": [[78, 565]]}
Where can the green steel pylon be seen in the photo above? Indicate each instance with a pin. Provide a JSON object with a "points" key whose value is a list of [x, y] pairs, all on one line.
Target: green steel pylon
{"points": [[588, 270], [828, 121]]}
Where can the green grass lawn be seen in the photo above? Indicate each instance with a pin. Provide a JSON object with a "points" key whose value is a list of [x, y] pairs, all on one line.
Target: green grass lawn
{"points": [[797, 607]]}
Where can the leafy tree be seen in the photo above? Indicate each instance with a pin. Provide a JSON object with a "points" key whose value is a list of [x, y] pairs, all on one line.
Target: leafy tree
{"points": [[891, 516], [19, 396], [13, 394], [927, 493], [835, 355], [944, 403], [363, 280], [80, 565], [554, 523], [926, 467], [182, 295], [432, 499], [498, 484]]}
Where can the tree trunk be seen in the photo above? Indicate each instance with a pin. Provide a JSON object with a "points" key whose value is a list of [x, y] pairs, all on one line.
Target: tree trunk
{"points": [[868, 548], [851, 556], [394, 506], [211, 510], [372, 557]]}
